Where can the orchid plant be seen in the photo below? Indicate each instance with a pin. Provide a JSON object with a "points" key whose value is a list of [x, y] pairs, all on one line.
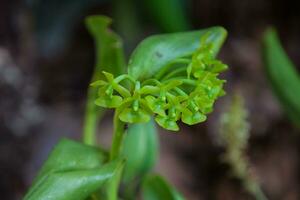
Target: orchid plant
{"points": [[170, 78]]}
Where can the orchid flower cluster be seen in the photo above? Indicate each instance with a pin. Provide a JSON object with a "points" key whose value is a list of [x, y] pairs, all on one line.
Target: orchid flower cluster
{"points": [[187, 93]]}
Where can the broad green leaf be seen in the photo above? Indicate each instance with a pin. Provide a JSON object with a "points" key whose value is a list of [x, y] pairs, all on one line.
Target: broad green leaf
{"points": [[140, 149], [283, 75], [71, 155], [110, 189], [154, 187], [168, 14], [110, 58], [75, 184], [113, 185], [158, 51], [72, 171]]}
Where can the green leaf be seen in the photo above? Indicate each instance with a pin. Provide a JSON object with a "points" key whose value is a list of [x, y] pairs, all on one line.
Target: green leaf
{"points": [[282, 74], [140, 150], [69, 155], [111, 188], [156, 188], [169, 14], [156, 52], [72, 171], [110, 58], [109, 46]]}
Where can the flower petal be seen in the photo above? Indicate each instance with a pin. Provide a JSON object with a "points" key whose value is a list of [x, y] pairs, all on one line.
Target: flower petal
{"points": [[98, 83], [192, 118], [108, 102], [156, 105], [130, 116], [166, 123]]}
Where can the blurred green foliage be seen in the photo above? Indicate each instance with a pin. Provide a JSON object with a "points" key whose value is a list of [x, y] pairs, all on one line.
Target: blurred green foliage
{"points": [[54, 22], [170, 15], [283, 76], [155, 187]]}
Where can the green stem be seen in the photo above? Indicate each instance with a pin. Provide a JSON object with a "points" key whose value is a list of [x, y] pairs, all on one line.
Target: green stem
{"points": [[92, 116], [121, 90], [168, 67], [89, 128], [183, 80], [149, 90], [180, 92], [118, 136], [154, 81], [123, 77], [174, 72]]}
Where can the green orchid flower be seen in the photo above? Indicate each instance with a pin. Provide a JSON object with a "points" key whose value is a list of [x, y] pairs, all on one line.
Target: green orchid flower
{"points": [[191, 113], [169, 121], [172, 113], [203, 60], [135, 111], [159, 104], [187, 93], [107, 98]]}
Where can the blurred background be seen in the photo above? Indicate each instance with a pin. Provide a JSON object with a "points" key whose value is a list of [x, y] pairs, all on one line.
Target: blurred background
{"points": [[47, 59]]}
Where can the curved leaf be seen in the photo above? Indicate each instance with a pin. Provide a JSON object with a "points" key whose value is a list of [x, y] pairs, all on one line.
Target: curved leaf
{"points": [[158, 51], [140, 150], [110, 189], [156, 188], [70, 155], [75, 184], [72, 171], [110, 58], [109, 46], [282, 74]]}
